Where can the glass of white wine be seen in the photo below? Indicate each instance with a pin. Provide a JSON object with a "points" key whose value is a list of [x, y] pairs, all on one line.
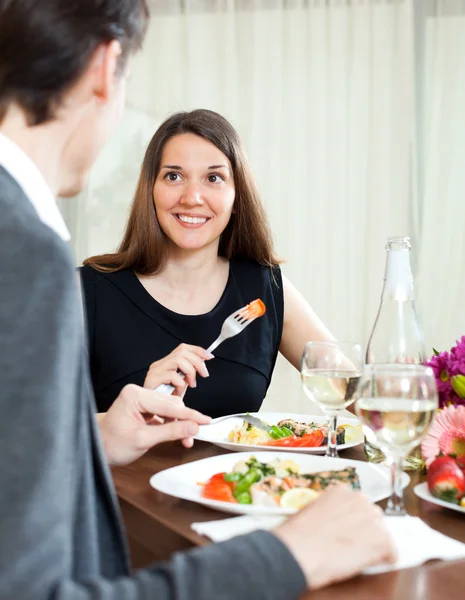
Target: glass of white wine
{"points": [[330, 373], [396, 404]]}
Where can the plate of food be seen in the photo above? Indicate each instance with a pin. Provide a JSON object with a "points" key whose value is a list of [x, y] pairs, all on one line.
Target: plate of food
{"points": [[286, 432], [269, 483], [445, 485], [422, 491]]}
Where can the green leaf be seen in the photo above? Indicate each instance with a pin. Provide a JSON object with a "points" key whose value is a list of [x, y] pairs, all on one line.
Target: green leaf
{"points": [[435, 352]]}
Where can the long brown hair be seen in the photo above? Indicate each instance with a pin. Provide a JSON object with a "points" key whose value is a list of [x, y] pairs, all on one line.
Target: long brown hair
{"points": [[247, 236]]}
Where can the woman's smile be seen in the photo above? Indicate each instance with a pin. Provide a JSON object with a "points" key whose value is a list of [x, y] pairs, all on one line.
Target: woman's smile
{"points": [[191, 221]]}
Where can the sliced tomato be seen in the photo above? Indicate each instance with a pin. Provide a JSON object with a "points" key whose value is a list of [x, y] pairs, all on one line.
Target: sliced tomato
{"points": [[289, 441], [217, 478], [309, 440], [217, 488]]}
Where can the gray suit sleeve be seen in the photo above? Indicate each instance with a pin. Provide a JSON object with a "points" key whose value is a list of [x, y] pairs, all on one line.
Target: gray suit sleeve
{"points": [[38, 492], [255, 566]]}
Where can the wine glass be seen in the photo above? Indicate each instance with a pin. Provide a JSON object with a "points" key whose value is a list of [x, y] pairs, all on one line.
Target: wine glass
{"points": [[396, 404], [330, 372]]}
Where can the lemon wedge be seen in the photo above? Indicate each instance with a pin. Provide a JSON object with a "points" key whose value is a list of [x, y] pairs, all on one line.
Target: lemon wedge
{"points": [[298, 497], [353, 432], [462, 502]]}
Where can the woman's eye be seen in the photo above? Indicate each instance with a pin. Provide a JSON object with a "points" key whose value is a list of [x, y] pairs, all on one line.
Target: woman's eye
{"points": [[215, 178], [172, 176]]}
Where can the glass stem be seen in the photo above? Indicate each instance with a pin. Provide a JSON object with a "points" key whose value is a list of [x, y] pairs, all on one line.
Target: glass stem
{"points": [[395, 505], [332, 436]]}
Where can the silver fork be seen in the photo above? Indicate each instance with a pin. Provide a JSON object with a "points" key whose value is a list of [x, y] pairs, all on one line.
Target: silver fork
{"points": [[233, 325], [255, 421]]}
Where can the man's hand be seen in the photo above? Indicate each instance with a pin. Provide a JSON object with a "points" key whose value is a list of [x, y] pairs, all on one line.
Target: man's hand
{"points": [[337, 537], [140, 419]]}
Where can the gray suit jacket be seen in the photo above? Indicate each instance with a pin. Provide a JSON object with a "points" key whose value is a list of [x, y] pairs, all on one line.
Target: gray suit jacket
{"points": [[60, 531]]}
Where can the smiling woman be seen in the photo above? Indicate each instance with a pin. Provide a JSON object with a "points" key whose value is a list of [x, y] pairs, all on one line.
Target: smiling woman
{"points": [[196, 248], [193, 198]]}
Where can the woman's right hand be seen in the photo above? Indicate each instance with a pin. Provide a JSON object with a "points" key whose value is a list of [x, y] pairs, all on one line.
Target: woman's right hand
{"points": [[190, 360]]}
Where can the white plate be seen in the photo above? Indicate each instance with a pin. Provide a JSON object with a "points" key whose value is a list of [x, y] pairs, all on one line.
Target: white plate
{"points": [[217, 433], [422, 491], [183, 481]]}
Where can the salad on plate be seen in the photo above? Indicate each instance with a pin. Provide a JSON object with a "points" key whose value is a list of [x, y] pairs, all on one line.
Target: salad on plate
{"points": [[276, 483]]}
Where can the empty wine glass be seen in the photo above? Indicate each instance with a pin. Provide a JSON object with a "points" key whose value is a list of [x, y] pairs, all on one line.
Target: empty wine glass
{"points": [[396, 404], [330, 372]]}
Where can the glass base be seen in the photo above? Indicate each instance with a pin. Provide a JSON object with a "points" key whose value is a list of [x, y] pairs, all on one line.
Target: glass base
{"points": [[412, 462], [395, 511]]}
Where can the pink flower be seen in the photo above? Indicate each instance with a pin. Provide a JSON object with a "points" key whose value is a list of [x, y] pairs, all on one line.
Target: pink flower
{"points": [[456, 364], [440, 365], [446, 434]]}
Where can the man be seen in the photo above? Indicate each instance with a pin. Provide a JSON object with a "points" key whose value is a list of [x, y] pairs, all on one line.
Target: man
{"points": [[63, 66]]}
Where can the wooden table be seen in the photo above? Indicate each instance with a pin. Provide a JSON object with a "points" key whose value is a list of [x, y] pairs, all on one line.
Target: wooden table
{"points": [[158, 525]]}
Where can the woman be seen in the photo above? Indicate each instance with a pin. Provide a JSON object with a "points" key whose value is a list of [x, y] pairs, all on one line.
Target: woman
{"points": [[197, 247]]}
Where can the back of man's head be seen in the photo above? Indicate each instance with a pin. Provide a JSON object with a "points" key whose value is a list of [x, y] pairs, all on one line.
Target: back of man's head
{"points": [[45, 46]]}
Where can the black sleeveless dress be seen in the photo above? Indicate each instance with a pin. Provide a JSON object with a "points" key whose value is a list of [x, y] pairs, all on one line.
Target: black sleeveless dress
{"points": [[128, 330]]}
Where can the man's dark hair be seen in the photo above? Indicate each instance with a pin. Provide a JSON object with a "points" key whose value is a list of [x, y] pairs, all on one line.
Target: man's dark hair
{"points": [[45, 46]]}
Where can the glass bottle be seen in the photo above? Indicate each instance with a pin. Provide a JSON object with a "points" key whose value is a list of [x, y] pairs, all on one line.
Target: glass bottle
{"points": [[396, 336]]}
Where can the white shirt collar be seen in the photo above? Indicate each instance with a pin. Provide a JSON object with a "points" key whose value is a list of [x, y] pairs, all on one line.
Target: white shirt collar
{"points": [[27, 175]]}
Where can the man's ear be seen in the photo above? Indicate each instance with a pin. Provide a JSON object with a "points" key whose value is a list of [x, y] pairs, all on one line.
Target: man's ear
{"points": [[103, 69]]}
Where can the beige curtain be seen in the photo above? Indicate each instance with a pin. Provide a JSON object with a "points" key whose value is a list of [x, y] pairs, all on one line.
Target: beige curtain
{"points": [[441, 148]]}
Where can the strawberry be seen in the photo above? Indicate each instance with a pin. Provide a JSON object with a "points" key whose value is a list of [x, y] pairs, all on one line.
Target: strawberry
{"points": [[461, 462], [446, 480]]}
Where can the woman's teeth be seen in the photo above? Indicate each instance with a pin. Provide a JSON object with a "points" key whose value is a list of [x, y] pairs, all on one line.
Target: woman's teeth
{"points": [[195, 220]]}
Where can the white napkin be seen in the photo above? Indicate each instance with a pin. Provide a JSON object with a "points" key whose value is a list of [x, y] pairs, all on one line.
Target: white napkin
{"points": [[414, 541], [219, 531]]}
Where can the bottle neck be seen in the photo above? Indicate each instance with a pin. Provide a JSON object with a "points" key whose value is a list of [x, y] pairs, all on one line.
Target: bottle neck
{"points": [[398, 278]]}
